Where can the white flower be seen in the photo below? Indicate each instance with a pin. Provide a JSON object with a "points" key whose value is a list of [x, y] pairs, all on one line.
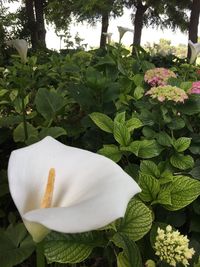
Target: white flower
{"points": [[108, 35], [122, 31], [21, 46], [172, 247], [195, 50], [66, 189]]}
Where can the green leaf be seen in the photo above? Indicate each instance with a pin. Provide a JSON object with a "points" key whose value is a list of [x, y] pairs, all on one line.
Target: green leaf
{"points": [[15, 245], [193, 149], [166, 177], [71, 248], [191, 105], [181, 144], [133, 124], [120, 117], [182, 162], [48, 103], [136, 222], [164, 196], [176, 124], [148, 132], [3, 92], [150, 187], [138, 79], [195, 172], [131, 254], [11, 120], [52, 131], [184, 190], [186, 86], [138, 92], [133, 170], [18, 133], [111, 151], [13, 94], [164, 139], [150, 168], [121, 134], [145, 148], [104, 122]]}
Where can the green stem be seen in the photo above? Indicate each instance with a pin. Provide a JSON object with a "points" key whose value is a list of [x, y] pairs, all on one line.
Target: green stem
{"points": [[24, 119], [40, 259]]}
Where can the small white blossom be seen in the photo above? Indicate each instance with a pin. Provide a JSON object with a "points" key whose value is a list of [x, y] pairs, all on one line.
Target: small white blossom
{"points": [[195, 50], [21, 46], [172, 247], [122, 31], [108, 35]]}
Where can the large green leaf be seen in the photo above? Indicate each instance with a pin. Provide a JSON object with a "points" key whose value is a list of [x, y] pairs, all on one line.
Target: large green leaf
{"points": [[176, 124], [164, 139], [131, 255], [104, 122], [11, 120], [73, 248], [150, 187], [191, 105], [138, 79], [164, 196], [48, 103], [133, 124], [19, 134], [55, 132], [138, 92], [111, 151], [184, 190], [181, 144], [15, 245], [150, 168], [145, 149], [136, 222], [121, 134], [181, 161], [120, 117]]}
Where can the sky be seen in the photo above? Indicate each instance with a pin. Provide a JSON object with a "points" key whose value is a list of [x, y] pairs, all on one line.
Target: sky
{"points": [[91, 35]]}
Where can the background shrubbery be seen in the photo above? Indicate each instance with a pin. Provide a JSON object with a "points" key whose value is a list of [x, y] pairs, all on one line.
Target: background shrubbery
{"points": [[96, 100]]}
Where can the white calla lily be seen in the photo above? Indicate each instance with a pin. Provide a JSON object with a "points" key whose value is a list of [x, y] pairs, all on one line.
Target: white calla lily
{"points": [[85, 191], [108, 35], [122, 31], [21, 46], [195, 50]]}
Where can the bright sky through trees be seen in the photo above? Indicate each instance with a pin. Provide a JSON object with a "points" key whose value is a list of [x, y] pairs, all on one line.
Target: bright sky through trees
{"points": [[91, 35]]}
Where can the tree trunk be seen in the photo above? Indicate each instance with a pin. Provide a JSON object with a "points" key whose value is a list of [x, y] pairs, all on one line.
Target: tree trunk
{"points": [[138, 23], [31, 23], [194, 22], [39, 14], [104, 28]]}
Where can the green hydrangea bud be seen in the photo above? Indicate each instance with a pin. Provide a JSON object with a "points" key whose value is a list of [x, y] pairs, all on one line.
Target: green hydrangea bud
{"points": [[150, 263]]}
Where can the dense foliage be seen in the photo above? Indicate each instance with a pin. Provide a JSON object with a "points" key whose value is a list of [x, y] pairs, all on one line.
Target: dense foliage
{"points": [[100, 101]]}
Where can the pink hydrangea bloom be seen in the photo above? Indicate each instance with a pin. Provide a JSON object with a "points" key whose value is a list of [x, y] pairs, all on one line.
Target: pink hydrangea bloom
{"points": [[166, 93], [158, 76], [195, 89]]}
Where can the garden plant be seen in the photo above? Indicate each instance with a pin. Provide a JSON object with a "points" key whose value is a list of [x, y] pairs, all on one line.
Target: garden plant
{"points": [[84, 116]]}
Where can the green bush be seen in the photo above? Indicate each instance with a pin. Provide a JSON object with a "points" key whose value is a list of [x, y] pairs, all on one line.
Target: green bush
{"points": [[97, 101]]}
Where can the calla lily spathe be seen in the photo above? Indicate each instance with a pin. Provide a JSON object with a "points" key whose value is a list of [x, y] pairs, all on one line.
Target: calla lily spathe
{"points": [[89, 191], [122, 31], [108, 35], [21, 46], [195, 50]]}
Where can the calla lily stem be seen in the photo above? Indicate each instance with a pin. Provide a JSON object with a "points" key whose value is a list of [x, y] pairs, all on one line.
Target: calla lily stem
{"points": [[24, 120], [40, 258]]}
